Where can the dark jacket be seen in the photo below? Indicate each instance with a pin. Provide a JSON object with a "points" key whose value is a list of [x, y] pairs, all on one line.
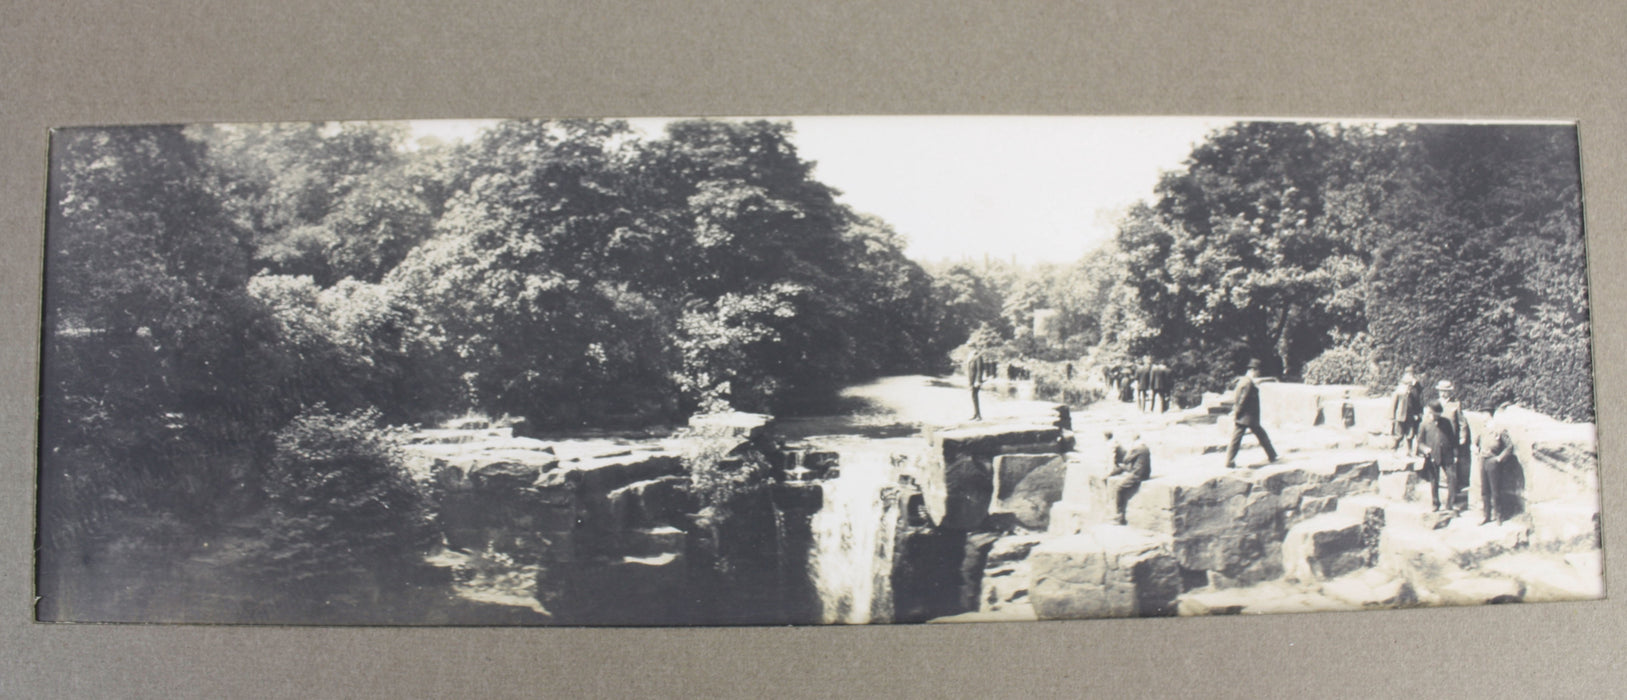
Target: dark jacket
{"points": [[1246, 403], [1160, 379], [1440, 441], [1406, 407], [1137, 462]]}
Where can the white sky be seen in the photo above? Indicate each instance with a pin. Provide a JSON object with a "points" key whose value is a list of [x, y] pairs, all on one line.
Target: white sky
{"points": [[1033, 189]]}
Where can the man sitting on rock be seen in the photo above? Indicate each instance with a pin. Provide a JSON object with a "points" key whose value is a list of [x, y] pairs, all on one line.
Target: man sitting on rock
{"points": [[1438, 441], [1128, 472], [1496, 451]]}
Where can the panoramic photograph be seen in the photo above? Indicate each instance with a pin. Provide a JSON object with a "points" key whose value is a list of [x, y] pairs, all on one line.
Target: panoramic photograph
{"points": [[812, 370]]}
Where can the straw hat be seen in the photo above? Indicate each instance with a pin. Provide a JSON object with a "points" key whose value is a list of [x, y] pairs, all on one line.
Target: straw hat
{"points": [[1445, 385]]}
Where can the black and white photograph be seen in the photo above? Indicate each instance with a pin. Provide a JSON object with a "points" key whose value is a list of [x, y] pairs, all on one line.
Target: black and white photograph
{"points": [[812, 370]]}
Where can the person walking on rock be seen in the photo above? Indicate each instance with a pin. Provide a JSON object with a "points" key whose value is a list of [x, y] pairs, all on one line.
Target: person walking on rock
{"points": [[1496, 451], [1438, 442], [1246, 416], [1129, 470]]}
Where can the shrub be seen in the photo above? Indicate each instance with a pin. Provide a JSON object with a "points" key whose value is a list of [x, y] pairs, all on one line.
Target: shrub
{"points": [[1347, 362], [723, 472], [346, 514], [1051, 383]]}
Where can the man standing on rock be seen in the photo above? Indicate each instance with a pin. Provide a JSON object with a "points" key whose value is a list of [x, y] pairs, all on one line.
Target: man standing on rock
{"points": [[977, 371], [1452, 410], [1438, 441], [1496, 450], [1406, 411], [1124, 480], [1246, 416]]}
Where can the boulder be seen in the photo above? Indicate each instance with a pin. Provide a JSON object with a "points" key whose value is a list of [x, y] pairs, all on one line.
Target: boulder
{"points": [[503, 475], [601, 475], [1327, 547], [1569, 525], [650, 503], [1558, 459], [1107, 571], [1403, 487]]}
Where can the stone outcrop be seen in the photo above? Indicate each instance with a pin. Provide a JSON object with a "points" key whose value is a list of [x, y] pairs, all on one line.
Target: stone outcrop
{"points": [[1027, 485], [1329, 546], [1232, 523], [1106, 571], [1304, 404], [957, 474]]}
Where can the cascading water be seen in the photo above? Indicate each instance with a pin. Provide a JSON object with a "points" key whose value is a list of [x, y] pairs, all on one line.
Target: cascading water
{"points": [[853, 539]]}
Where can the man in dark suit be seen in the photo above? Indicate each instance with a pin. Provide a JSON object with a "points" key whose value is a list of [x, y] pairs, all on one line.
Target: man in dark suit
{"points": [[978, 370], [1246, 416], [1162, 385], [1129, 470], [1438, 441], [1144, 384]]}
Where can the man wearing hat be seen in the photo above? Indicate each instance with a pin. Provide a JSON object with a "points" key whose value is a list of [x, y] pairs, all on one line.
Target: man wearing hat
{"points": [[1246, 416], [1452, 411]]}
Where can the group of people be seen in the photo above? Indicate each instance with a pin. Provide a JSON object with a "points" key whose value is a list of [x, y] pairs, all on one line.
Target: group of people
{"points": [[1148, 384], [1439, 432]]}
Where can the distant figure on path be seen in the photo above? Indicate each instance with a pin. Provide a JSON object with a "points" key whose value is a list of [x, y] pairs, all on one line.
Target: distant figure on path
{"points": [[1068, 371], [1438, 442], [1496, 451], [1130, 468], [1162, 385], [978, 370], [1246, 416], [1144, 384], [1452, 410]]}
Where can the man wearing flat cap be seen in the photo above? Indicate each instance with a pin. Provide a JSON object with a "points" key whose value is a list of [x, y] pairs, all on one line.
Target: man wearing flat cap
{"points": [[1246, 416]]}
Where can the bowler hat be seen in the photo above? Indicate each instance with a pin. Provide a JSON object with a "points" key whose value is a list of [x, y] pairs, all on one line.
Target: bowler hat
{"points": [[1254, 363]]}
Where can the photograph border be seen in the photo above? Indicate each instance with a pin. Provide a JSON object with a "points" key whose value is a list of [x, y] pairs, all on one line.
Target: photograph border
{"points": [[164, 62]]}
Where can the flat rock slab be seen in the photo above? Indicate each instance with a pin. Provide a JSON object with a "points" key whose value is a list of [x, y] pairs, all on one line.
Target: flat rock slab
{"points": [[1549, 578], [744, 426], [1108, 571]]}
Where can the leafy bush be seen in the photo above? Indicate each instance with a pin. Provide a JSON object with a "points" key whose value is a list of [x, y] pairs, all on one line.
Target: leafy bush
{"points": [[723, 472], [346, 513], [1348, 362], [1051, 383]]}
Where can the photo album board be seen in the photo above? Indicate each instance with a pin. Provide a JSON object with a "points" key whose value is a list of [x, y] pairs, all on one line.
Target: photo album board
{"points": [[827, 370]]}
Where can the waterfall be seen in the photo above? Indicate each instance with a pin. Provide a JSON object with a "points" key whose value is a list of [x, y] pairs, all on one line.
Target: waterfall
{"points": [[853, 539]]}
